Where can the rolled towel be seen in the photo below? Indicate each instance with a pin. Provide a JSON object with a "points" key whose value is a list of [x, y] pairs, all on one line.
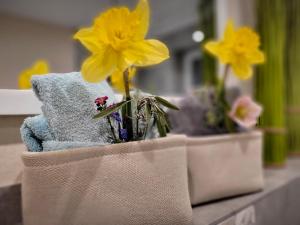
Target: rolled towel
{"points": [[68, 105], [34, 131], [36, 135]]}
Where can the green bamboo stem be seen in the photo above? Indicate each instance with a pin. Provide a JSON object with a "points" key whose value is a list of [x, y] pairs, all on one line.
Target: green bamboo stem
{"points": [[293, 76], [206, 9], [127, 121], [270, 82]]}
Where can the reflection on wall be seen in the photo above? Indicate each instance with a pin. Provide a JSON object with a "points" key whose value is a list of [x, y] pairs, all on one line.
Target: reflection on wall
{"points": [[22, 41]]}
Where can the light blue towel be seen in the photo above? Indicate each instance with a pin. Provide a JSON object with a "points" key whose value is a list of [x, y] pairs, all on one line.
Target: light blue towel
{"points": [[68, 105], [34, 132], [36, 135]]}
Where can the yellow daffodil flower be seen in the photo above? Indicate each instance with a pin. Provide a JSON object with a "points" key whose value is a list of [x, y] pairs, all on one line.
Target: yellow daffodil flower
{"points": [[117, 41], [239, 48], [117, 79], [40, 67]]}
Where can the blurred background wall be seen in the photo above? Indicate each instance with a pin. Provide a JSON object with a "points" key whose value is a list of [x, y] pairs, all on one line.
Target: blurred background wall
{"points": [[24, 40], [42, 29]]}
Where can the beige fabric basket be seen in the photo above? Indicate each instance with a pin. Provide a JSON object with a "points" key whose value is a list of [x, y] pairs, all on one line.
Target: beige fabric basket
{"points": [[224, 166], [132, 183]]}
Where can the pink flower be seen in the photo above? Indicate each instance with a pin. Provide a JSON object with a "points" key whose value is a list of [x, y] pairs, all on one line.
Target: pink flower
{"points": [[245, 112], [101, 100]]}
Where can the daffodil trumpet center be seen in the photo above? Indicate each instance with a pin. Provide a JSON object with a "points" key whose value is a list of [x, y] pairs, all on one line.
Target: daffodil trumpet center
{"points": [[119, 41], [121, 37]]}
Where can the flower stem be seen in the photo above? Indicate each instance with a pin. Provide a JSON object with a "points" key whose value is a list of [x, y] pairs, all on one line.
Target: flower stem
{"points": [[225, 78], [112, 129], [226, 73], [126, 84], [137, 123], [221, 90], [127, 122], [222, 99]]}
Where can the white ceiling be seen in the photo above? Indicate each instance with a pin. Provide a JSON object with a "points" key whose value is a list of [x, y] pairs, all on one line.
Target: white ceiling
{"points": [[167, 15]]}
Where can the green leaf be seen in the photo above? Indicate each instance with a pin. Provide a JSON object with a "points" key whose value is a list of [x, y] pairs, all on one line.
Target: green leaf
{"points": [[165, 122], [110, 110], [148, 115], [166, 103], [161, 129], [148, 112]]}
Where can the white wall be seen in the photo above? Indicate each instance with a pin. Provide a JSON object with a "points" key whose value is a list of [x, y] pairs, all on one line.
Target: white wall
{"points": [[169, 16], [22, 41]]}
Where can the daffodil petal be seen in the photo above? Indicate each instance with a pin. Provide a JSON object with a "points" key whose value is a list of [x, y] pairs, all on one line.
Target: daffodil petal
{"points": [[145, 53], [24, 80], [242, 70], [115, 19], [132, 73], [117, 79], [89, 39], [122, 65], [99, 66], [40, 67], [257, 56], [142, 12], [229, 31], [217, 49], [212, 47]]}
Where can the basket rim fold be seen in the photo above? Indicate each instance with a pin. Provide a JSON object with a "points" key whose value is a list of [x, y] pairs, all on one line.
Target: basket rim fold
{"points": [[38, 159]]}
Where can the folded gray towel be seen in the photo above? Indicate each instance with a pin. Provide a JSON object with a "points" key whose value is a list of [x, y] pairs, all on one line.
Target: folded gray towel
{"points": [[68, 105]]}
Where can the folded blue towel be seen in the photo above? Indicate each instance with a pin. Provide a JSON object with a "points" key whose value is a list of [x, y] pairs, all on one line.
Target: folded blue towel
{"points": [[37, 137], [68, 105], [34, 131]]}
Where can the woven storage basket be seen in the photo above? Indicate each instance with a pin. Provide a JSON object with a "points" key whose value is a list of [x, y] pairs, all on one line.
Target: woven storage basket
{"points": [[132, 183], [224, 166]]}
